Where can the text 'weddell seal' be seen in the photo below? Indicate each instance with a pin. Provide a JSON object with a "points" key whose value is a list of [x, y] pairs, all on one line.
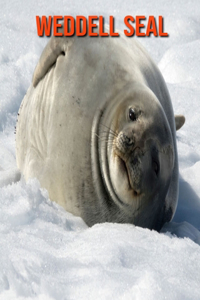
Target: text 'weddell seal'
{"points": [[82, 26], [97, 128]]}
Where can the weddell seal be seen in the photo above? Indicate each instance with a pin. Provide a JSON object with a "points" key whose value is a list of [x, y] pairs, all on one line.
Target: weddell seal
{"points": [[97, 129]]}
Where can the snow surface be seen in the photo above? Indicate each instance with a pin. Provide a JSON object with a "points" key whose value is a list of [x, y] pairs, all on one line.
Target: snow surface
{"points": [[45, 252]]}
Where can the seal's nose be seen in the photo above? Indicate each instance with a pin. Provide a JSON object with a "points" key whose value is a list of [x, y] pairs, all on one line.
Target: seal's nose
{"points": [[127, 140]]}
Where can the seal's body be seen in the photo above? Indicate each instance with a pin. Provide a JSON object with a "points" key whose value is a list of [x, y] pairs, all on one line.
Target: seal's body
{"points": [[97, 129]]}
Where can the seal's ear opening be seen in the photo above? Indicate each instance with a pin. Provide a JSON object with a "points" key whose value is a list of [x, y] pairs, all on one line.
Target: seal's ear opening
{"points": [[179, 121]]}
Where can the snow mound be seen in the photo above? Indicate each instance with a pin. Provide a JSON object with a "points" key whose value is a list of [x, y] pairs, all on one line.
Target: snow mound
{"points": [[47, 253]]}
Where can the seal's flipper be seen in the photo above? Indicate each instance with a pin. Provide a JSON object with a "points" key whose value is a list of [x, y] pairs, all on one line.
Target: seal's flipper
{"points": [[55, 47], [179, 121]]}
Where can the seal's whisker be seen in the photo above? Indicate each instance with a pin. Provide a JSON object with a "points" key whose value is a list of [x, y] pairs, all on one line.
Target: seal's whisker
{"points": [[111, 135], [111, 130], [107, 141], [97, 135]]}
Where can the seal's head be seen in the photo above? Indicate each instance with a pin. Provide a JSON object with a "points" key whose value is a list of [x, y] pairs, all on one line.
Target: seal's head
{"points": [[139, 156]]}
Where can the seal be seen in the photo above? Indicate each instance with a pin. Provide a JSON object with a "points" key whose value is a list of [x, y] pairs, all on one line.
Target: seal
{"points": [[97, 129]]}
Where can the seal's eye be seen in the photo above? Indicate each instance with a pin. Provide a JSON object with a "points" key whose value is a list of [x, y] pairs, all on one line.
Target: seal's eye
{"points": [[132, 114]]}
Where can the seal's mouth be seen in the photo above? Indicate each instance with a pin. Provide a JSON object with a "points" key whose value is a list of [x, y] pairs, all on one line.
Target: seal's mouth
{"points": [[125, 170]]}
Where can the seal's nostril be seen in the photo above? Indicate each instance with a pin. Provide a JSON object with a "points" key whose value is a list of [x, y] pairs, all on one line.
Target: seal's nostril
{"points": [[128, 141]]}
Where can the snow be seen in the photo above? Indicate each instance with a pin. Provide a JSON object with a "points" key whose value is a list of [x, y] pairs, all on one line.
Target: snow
{"points": [[47, 253]]}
